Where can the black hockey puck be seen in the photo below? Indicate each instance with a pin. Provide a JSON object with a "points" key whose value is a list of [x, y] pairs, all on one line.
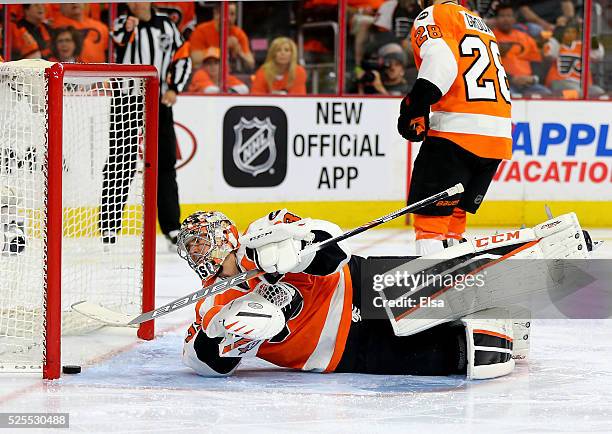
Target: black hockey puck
{"points": [[71, 369]]}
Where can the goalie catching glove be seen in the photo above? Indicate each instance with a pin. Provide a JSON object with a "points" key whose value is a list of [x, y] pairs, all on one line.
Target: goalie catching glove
{"points": [[250, 316], [279, 248]]}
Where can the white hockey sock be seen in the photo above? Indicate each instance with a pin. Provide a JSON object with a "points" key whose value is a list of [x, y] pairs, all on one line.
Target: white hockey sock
{"points": [[429, 246]]}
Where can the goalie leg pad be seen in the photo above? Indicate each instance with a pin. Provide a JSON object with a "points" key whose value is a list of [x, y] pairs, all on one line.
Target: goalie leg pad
{"points": [[562, 238], [521, 328], [507, 282], [489, 344]]}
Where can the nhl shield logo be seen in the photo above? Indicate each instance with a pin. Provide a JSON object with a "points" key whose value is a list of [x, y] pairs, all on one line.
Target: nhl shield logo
{"points": [[254, 148]]}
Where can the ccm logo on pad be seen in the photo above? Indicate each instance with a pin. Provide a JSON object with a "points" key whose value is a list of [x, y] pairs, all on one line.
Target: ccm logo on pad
{"points": [[497, 238]]}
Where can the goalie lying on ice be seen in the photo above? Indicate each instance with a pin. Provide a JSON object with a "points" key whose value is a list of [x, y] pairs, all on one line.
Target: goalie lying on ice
{"points": [[304, 313]]}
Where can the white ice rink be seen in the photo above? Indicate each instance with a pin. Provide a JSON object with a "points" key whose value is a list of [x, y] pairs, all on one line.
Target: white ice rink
{"points": [[134, 387]]}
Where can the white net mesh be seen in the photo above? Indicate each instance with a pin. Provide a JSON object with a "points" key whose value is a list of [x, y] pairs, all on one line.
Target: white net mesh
{"points": [[103, 194]]}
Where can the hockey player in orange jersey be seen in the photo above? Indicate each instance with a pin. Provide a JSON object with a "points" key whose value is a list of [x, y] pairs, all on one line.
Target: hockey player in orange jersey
{"points": [[460, 108], [306, 311]]}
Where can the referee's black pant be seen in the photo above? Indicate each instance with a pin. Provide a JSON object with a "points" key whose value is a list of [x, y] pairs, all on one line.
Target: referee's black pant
{"points": [[168, 210], [119, 170]]}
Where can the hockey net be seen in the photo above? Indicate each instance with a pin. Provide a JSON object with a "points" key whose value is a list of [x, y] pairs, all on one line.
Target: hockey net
{"points": [[77, 188]]}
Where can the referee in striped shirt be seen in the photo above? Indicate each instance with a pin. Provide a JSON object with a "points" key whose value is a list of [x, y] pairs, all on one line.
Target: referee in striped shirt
{"points": [[145, 37]]}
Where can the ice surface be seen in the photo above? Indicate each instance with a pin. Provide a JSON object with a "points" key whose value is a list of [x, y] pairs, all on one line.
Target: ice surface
{"points": [[128, 386]]}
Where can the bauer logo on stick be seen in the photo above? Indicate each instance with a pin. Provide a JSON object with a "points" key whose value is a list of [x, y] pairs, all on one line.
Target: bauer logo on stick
{"points": [[254, 146]]}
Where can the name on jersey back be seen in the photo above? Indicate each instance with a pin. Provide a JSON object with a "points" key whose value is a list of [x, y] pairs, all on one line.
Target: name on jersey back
{"points": [[476, 23]]}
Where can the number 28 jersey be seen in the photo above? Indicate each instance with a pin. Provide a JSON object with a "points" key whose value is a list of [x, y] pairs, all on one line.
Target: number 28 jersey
{"points": [[455, 50]]}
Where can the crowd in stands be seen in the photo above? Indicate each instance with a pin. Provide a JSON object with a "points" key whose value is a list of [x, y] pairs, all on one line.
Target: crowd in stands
{"points": [[541, 47], [287, 48], [58, 31]]}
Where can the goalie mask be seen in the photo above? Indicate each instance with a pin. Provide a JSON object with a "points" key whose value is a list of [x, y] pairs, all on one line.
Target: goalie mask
{"points": [[206, 238]]}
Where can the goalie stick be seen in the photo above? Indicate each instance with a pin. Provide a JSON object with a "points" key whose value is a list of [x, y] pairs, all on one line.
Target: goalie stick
{"points": [[113, 318]]}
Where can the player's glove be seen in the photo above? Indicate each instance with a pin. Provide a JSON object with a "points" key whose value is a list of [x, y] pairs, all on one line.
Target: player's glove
{"points": [[413, 121], [251, 317], [278, 248]]}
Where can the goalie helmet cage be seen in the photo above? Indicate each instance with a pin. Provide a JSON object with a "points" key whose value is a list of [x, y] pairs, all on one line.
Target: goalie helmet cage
{"points": [[78, 147]]}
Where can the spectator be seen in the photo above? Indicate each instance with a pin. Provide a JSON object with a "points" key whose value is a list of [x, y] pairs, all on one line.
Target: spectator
{"points": [[34, 22], [90, 10], [484, 8], [519, 51], [23, 45], [96, 10], [565, 74], [280, 74], [392, 23], [94, 33], [363, 8], [319, 42], [392, 78], [206, 35], [542, 15], [137, 35], [66, 45], [207, 78]]}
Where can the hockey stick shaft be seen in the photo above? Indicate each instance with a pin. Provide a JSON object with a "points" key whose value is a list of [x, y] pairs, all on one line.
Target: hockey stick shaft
{"points": [[391, 216], [238, 279]]}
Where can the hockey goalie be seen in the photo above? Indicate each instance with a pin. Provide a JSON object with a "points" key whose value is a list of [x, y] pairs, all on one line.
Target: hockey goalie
{"points": [[304, 312]]}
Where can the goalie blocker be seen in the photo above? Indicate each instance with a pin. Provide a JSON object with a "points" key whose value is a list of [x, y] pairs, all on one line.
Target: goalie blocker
{"points": [[320, 298]]}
